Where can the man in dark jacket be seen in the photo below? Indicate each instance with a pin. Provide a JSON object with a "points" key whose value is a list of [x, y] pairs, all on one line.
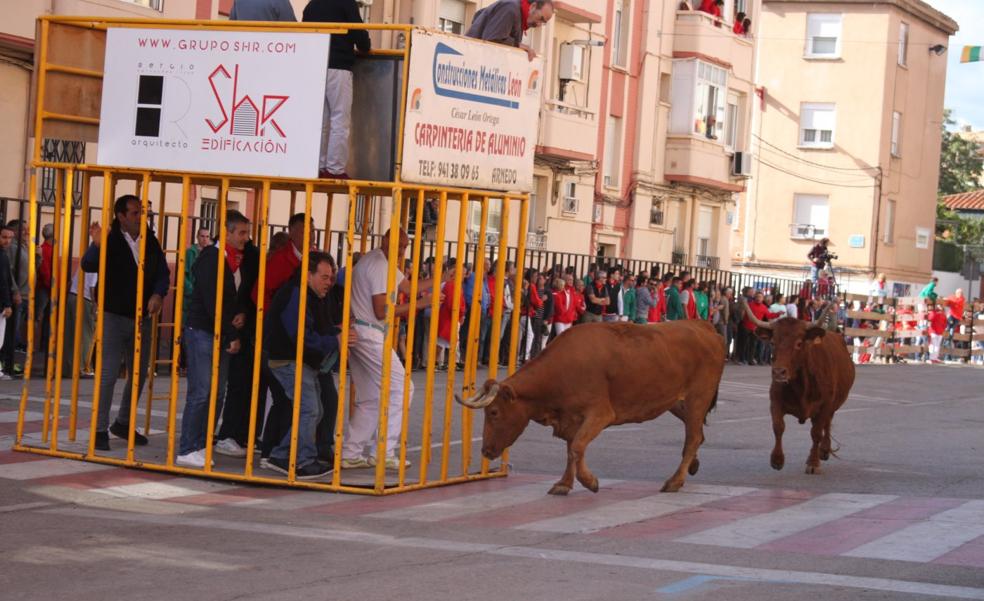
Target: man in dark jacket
{"points": [[199, 333], [119, 310], [505, 22], [338, 84], [6, 282], [321, 347]]}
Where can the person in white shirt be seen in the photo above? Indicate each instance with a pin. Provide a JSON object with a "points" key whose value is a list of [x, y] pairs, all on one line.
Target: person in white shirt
{"points": [[368, 306]]}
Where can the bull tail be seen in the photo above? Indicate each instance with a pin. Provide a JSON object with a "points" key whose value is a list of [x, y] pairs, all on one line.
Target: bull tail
{"points": [[833, 452], [710, 408]]}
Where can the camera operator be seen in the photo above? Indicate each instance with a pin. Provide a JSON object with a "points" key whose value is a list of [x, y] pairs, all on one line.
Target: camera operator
{"points": [[820, 257]]}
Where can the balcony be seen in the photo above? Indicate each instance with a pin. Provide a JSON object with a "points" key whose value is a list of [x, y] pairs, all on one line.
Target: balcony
{"points": [[697, 160], [678, 257], [567, 131], [707, 261], [536, 241], [698, 34], [806, 231]]}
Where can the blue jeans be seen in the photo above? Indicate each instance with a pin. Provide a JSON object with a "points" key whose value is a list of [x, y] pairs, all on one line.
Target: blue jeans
{"points": [[311, 413], [194, 419]]}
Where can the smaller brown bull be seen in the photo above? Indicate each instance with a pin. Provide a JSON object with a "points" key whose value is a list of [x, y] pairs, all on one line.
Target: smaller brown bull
{"points": [[812, 375], [604, 374]]}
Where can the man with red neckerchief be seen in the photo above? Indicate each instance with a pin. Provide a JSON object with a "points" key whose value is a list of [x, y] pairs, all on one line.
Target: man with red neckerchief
{"points": [[505, 22]]}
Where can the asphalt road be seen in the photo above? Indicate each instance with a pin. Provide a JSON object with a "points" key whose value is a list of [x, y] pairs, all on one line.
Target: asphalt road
{"points": [[898, 514]]}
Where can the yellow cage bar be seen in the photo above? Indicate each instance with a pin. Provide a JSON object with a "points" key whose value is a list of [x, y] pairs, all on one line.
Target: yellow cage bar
{"points": [[426, 414]]}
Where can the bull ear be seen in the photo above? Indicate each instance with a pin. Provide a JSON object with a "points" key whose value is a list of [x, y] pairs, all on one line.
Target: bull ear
{"points": [[763, 333], [815, 335]]}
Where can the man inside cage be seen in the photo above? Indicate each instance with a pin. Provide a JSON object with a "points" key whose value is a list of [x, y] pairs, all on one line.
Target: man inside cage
{"points": [[368, 306], [119, 310]]}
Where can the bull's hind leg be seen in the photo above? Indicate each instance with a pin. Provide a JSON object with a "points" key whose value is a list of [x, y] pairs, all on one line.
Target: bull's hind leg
{"points": [[679, 411], [694, 423], [592, 425]]}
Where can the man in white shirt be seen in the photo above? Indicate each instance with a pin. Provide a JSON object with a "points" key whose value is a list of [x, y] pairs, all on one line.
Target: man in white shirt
{"points": [[368, 306]]}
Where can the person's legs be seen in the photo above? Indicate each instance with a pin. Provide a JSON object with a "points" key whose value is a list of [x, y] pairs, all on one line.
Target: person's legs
{"points": [[365, 358], [88, 333], [198, 345], [485, 329], [235, 413], [278, 418], [337, 121], [310, 414], [325, 433], [67, 339], [394, 422], [117, 336], [123, 416]]}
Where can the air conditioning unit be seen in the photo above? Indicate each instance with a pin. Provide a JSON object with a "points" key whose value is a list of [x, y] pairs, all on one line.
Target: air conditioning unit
{"points": [[598, 213], [741, 164], [571, 67]]}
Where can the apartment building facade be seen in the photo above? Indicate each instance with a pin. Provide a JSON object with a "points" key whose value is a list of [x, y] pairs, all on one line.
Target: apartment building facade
{"points": [[847, 139], [645, 109]]}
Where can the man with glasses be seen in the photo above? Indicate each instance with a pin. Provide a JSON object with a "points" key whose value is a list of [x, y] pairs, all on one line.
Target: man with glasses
{"points": [[506, 21]]}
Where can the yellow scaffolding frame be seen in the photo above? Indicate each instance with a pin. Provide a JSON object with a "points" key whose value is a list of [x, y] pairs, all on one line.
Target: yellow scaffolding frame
{"points": [[400, 193]]}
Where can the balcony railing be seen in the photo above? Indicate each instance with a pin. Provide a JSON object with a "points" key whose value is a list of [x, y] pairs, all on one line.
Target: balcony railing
{"points": [[806, 231], [491, 238], [564, 108], [706, 261], [678, 257], [536, 241]]}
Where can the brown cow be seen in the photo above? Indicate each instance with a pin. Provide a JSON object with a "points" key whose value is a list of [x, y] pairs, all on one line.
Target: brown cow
{"points": [[604, 374], [812, 375]]}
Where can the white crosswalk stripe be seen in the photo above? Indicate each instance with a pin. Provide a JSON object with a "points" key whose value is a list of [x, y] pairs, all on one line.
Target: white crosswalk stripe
{"points": [[930, 539]]}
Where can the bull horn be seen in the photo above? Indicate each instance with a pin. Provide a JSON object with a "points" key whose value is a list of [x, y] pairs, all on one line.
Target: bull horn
{"points": [[755, 320], [823, 314], [482, 398]]}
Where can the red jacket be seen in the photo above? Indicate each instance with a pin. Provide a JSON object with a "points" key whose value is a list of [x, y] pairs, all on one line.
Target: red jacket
{"points": [[937, 322], [280, 266], [956, 306], [535, 301], [710, 7], [739, 28], [660, 303], [565, 310], [760, 311], [444, 313], [577, 301], [47, 257]]}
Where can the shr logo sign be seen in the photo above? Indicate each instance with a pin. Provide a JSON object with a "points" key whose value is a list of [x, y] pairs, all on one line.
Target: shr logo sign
{"points": [[243, 115]]}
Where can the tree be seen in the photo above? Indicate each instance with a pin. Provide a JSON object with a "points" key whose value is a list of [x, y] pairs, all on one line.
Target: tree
{"points": [[961, 162]]}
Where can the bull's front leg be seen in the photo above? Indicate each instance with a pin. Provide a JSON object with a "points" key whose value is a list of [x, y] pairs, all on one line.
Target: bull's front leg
{"points": [[590, 428], [778, 458], [816, 433], [566, 482]]}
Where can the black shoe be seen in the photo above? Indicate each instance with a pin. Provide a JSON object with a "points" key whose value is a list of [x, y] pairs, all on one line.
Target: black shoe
{"points": [[310, 471], [120, 431], [102, 441]]}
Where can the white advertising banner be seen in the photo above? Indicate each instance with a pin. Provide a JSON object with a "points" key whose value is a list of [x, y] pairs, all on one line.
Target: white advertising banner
{"points": [[473, 109], [213, 101]]}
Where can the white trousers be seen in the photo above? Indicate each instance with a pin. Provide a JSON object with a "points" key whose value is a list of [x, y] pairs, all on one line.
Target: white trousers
{"points": [[935, 342], [560, 328], [366, 368], [336, 121]]}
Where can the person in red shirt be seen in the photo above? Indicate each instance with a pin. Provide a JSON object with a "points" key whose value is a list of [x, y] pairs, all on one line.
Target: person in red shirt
{"points": [[577, 300], [761, 312], [444, 321], [564, 310], [739, 27], [282, 263], [937, 327], [712, 7]]}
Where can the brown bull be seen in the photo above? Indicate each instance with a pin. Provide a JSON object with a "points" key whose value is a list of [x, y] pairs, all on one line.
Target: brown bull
{"points": [[604, 374], [812, 375]]}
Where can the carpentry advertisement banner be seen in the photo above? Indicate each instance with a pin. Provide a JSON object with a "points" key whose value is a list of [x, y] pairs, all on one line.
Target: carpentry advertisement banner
{"points": [[472, 114], [213, 101]]}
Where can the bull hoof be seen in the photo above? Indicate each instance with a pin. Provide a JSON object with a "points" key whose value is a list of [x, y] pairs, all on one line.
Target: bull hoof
{"points": [[671, 486], [590, 484], [777, 461], [559, 489], [694, 466], [813, 469]]}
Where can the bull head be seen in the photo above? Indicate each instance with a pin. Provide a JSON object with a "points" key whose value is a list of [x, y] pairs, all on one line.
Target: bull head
{"points": [[505, 417], [788, 337]]}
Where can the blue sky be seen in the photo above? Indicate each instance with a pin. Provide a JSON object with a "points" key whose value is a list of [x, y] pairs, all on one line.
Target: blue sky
{"points": [[964, 88]]}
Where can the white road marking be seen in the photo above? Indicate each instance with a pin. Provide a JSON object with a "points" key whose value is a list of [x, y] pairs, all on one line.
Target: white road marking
{"points": [[453, 548], [24, 506], [760, 529], [164, 490], [45, 468], [636, 510], [930, 539]]}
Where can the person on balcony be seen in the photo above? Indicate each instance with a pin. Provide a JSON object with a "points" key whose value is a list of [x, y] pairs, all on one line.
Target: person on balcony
{"points": [[337, 117], [505, 21], [712, 7], [739, 27]]}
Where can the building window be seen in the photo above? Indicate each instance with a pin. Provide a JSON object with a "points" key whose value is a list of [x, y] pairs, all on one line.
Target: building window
{"points": [[811, 216], [60, 151], [613, 148], [823, 35], [896, 134], [903, 43], [705, 232], [922, 237], [698, 97], [889, 223], [361, 203], [656, 212], [620, 34], [569, 203], [208, 215], [817, 124], [451, 16], [731, 124], [494, 222]]}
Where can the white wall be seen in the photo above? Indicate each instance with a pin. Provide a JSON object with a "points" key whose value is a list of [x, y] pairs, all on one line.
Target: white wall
{"points": [[950, 281]]}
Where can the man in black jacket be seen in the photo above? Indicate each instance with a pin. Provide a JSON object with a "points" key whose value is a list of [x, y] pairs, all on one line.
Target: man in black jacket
{"points": [[338, 84], [6, 283], [119, 310], [321, 347], [199, 334]]}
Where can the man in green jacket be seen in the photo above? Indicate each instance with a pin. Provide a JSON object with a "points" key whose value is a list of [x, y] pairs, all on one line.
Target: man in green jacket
{"points": [[628, 298], [929, 292], [674, 308]]}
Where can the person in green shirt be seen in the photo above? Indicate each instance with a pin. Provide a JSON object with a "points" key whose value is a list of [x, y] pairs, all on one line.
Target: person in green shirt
{"points": [[929, 292], [203, 238], [703, 303], [674, 308], [628, 298]]}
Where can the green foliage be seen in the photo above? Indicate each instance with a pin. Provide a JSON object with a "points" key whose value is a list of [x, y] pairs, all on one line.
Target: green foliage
{"points": [[962, 230], [960, 161]]}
